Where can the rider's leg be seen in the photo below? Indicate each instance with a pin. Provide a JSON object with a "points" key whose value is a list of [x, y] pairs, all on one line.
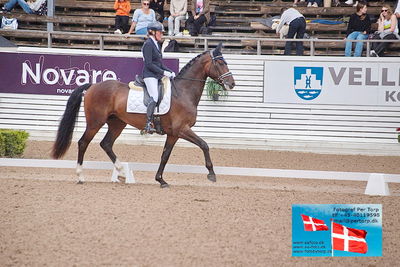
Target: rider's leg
{"points": [[152, 88]]}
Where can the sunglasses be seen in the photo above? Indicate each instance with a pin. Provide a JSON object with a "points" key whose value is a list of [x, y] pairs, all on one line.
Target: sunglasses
{"points": [[146, 4], [384, 10]]}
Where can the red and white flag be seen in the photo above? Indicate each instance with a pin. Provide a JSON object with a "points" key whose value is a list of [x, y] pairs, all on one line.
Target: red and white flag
{"points": [[348, 239], [312, 224]]}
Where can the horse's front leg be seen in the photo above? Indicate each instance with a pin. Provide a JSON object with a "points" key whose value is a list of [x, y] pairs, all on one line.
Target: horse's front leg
{"points": [[190, 136], [169, 144]]}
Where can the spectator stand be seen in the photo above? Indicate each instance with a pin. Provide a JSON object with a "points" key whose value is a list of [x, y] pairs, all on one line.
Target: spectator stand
{"points": [[88, 24]]}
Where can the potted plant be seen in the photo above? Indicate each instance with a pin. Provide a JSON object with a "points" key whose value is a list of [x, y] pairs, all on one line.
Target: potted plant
{"points": [[214, 90]]}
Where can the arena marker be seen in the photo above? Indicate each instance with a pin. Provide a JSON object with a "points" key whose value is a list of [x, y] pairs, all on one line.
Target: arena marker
{"points": [[130, 179], [377, 185]]}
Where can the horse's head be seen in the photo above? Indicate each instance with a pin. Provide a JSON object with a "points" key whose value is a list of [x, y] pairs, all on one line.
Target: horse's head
{"points": [[219, 70]]}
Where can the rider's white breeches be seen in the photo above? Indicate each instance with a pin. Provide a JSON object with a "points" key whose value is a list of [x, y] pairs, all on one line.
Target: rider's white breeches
{"points": [[152, 87]]}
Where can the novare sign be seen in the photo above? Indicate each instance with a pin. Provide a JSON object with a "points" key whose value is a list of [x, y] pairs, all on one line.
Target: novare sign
{"points": [[29, 73], [332, 82]]}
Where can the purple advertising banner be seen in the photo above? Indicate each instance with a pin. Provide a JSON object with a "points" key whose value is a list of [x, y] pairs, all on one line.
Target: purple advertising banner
{"points": [[59, 74]]}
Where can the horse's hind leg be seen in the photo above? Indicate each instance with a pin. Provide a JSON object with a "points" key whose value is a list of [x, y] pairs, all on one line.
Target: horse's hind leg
{"points": [[115, 127], [190, 136], [83, 143], [169, 145]]}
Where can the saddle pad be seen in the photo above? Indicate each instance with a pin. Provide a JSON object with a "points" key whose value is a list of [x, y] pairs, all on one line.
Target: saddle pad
{"points": [[135, 99]]}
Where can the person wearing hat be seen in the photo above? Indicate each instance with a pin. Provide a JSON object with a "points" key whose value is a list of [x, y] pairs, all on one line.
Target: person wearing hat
{"points": [[153, 69]]}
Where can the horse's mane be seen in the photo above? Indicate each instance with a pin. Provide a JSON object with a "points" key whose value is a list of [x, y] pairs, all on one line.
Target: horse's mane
{"points": [[189, 64]]}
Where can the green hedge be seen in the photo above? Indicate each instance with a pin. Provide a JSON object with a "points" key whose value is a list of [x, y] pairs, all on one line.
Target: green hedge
{"points": [[12, 143]]}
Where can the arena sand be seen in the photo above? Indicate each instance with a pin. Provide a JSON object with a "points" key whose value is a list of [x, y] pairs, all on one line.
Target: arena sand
{"points": [[46, 219]]}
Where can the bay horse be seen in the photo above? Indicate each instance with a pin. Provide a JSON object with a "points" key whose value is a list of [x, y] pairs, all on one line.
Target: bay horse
{"points": [[105, 103]]}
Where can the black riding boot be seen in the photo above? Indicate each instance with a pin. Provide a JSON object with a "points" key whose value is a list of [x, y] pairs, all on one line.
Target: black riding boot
{"points": [[150, 111]]}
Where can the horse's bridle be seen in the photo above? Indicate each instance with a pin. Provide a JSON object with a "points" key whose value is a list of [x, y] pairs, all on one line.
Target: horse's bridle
{"points": [[220, 78]]}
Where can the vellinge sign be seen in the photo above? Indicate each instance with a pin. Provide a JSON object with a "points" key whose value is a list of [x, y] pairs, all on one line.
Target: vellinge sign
{"points": [[28, 73], [332, 82]]}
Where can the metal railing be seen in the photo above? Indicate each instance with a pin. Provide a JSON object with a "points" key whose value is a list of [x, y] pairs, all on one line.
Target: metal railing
{"points": [[206, 39]]}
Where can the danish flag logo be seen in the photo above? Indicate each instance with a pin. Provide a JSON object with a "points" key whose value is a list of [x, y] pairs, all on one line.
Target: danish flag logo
{"points": [[348, 239], [313, 224]]}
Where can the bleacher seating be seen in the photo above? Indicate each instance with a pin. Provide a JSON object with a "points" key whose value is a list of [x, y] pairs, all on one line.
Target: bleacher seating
{"points": [[235, 18]]}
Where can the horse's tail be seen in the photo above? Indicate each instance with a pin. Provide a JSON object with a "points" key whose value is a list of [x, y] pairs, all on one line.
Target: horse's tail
{"points": [[67, 124]]}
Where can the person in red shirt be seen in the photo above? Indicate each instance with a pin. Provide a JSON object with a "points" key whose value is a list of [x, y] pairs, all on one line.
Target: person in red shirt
{"points": [[122, 8]]}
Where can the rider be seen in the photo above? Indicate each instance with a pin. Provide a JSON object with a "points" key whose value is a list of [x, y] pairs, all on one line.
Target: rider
{"points": [[153, 69]]}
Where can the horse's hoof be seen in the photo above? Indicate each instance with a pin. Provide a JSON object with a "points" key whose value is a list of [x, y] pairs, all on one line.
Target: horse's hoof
{"points": [[164, 185], [212, 177], [121, 179], [79, 182]]}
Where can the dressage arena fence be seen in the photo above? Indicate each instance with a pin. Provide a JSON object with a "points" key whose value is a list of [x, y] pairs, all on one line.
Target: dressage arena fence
{"points": [[377, 183], [243, 119]]}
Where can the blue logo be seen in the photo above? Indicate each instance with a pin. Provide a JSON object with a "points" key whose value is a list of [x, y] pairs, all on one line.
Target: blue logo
{"points": [[308, 82]]}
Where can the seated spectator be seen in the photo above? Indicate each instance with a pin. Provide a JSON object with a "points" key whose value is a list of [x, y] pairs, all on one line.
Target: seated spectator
{"points": [[387, 30], [297, 26], [397, 13], [200, 16], [178, 10], [122, 8], [30, 7], [141, 18], [358, 29], [314, 3], [158, 7]]}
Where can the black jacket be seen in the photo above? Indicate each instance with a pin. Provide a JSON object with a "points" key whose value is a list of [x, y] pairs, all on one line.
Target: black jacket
{"points": [[153, 66], [358, 25]]}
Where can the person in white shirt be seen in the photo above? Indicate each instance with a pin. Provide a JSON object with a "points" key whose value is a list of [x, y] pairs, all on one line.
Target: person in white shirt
{"points": [[178, 10], [297, 26]]}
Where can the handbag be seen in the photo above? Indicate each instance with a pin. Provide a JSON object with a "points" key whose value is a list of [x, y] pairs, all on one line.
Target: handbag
{"points": [[9, 24]]}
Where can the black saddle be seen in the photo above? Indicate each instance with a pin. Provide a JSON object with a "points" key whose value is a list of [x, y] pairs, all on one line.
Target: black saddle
{"points": [[146, 97]]}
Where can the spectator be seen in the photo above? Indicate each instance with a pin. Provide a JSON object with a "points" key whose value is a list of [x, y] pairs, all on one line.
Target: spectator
{"points": [[141, 18], [297, 26], [387, 30], [200, 16], [122, 8], [358, 29], [397, 13], [314, 3], [30, 7], [178, 10], [158, 7]]}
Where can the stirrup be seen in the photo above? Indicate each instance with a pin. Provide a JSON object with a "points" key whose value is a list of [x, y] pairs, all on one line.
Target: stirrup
{"points": [[149, 128]]}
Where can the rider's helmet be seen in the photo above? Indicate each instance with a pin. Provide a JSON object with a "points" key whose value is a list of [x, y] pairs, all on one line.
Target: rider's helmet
{"points": [[155, 26]]}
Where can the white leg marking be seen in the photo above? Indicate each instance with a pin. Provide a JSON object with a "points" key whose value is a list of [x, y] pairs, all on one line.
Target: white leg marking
{"points": [[120, 168], [79, 171]]}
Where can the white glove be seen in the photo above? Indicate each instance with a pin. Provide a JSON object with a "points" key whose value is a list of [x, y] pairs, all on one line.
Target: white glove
{"points": [[169, 74]]}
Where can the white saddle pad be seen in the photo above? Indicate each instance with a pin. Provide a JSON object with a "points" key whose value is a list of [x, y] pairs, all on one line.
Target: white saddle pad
{"points": [[135, 99]]}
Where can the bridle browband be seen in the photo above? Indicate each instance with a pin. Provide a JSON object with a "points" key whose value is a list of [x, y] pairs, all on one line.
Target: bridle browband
{"points": [[220, 78]]}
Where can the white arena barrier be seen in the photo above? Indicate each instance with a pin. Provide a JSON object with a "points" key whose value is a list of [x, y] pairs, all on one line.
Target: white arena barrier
{"points": [[377, 182]]}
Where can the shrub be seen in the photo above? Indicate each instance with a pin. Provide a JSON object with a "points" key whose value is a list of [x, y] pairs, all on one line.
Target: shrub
{"points": [[12, 143]]}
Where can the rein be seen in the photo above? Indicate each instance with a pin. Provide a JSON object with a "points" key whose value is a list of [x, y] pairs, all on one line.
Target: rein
{"points": [[220, 79]]}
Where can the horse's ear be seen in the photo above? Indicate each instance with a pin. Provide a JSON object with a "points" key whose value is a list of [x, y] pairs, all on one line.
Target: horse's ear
{"points": [[217, 50]]}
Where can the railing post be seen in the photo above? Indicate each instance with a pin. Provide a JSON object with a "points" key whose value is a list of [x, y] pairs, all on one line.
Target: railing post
{"points": [[312, 48], [258, 47], [49, 40], [50, 14], [205, 44], [101, 42], [368, 48]]}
